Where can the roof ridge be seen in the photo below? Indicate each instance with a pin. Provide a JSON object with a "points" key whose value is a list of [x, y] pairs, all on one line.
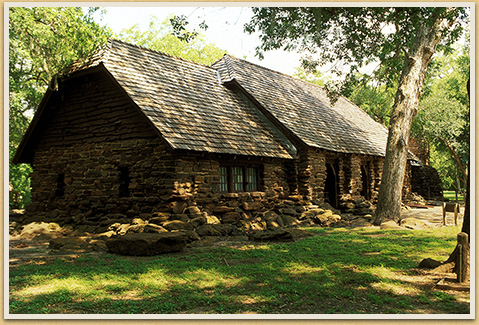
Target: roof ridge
{"points": [[269, 69], [301, 80], [159, 52]]}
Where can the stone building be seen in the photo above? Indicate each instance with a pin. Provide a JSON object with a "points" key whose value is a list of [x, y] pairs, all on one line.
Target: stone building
{"points": [[136, 132]]}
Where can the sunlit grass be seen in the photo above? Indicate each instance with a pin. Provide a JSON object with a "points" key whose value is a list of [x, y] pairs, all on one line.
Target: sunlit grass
{"points": [[336, 271], [451, 195]]}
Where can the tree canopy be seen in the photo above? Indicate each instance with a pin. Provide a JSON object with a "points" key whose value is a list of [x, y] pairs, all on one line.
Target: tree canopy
{"points": [[401, 41], [172, 37], [348, 39], [43, 41], [443, 118]]}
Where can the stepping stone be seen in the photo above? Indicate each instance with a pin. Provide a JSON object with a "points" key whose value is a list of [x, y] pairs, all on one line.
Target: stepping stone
{"points": [[147, 244]]}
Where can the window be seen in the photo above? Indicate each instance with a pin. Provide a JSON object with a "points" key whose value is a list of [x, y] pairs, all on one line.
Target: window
{"points": [[124, 182], [252, 179], [60, 185], [239, 179], [223, 179]]}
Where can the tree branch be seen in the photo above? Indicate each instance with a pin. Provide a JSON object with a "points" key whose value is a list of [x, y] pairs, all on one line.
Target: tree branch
{"points": [[456, 157]]}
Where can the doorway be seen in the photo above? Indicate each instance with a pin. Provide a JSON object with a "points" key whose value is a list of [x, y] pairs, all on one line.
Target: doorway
{"points": [[365, 178], [331, 187]]}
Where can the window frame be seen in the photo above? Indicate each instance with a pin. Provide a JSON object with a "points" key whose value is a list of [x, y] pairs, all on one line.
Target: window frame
{"points": [[245, 185], [61, 185], [124, 180]]}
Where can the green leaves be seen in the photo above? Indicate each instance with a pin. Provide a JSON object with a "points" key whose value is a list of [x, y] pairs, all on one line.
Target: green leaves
{"points": [[43, 42], [352, 36], [172, 37], [443, 118]]}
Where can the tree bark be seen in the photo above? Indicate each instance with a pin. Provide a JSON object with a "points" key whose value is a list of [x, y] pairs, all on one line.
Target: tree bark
{"points": [[405, 107]]}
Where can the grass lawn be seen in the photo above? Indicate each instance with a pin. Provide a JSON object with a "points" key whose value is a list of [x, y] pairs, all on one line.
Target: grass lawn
{"points": [[338, 271], [451, 195]]}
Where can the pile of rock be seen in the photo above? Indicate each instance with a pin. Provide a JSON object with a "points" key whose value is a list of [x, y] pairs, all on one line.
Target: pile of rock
{"points": [[227, 221], [414, 198], [189, 223], [356, 206]]}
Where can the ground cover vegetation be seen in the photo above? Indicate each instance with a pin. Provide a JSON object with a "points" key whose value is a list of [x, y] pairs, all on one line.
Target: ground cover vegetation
{"points": [[335, 271]]}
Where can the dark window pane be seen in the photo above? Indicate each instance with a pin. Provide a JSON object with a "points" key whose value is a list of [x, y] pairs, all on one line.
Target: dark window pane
{"points": [[252, 179], [238, 180], [60, 185], [223, 179], [124, 182]]}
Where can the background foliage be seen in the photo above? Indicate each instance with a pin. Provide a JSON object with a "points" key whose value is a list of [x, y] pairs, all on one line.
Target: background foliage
{"points": [[170, 36], [42, 43]]}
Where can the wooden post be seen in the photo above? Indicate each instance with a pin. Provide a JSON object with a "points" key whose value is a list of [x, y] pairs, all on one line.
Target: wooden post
{"points": [[462, 264]]}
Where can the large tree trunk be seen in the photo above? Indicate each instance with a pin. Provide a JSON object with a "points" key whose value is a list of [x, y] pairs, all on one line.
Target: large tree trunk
{"points": [[405, 107]]}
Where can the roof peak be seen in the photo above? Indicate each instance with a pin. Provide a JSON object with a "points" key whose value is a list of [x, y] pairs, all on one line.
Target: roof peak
{"points": [[114, 40]]}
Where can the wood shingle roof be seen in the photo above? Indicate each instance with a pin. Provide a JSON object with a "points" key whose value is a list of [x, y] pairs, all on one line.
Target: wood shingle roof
{"points": [[185, 101], [193, 108], [305, 110]]}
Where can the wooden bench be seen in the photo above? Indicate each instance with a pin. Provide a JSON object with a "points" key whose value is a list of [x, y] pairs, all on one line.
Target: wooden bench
{"points": [[450, 207]]}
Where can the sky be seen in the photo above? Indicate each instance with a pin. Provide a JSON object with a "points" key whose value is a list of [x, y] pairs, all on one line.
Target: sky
{"points": [[225, 29]]}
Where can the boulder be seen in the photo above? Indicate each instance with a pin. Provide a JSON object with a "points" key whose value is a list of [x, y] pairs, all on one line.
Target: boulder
{"points": [[37, 228], [288, 220], [158, 220], [212, 219], [289, 211], [122, 229], [215, 230], [192, 235], [326, 218], [152, 228], [135, 228], [68, 243], [147, 244], [360, 223], [223, 209], [276, 234], [413, 223], [207, 230], [429, 263], [270, 215], [231, 217], [252, 206], [177, 225], [192, 211], [199, 221], [181, 216], [391, 225]]}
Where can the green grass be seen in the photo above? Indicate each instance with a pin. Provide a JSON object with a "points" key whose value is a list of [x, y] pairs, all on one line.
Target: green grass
{"points": [[451, 195], [337, 271]]}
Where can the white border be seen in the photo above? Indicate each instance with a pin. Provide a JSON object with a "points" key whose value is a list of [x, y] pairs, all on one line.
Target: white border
{"points": [[7, 314]]}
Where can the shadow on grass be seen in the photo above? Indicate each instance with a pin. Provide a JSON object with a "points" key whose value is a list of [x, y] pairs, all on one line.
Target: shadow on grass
{"points": [[335, 272]]}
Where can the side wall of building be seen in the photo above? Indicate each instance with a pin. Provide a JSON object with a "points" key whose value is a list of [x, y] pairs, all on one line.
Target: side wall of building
{"points": [[342, 180], [99, 160]]}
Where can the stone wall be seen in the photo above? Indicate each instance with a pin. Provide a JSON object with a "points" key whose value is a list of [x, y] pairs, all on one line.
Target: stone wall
{"points": [[312, 174], [82, 184], [426, 182], [83, 181]]}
